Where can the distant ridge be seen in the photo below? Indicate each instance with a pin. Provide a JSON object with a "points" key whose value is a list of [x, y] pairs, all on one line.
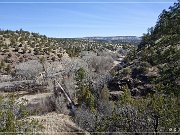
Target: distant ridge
{"points": [[113, 37], [118, 39]]}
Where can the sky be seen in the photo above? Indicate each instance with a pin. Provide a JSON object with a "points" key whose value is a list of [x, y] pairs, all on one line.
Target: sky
{"points": [[81, 18]]}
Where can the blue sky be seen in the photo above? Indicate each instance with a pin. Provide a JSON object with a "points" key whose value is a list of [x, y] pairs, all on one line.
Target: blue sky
{"points": [[82, 19]]}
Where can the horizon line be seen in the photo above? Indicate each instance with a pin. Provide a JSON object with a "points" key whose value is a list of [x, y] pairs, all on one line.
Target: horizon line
{"points": [[59, 36]]}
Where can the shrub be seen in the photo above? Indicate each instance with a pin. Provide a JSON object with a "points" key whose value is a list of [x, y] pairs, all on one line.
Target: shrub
{"points": [[126, 71], [29, 69], [13, 117], [85, 119], [2, 64], [59, 55], [53, 58], [42, 60], [21, 59], [9, 55], [8, 69]]}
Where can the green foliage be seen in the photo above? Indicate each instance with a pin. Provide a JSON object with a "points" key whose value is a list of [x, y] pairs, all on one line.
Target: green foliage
{"points": [[164, 111], [84, 93], [9, 55], [126, 97], [131, 55], [80, 75], [36, 51], [25, 49], [159, 47], [169, 78], [53, 58], [167, 28], [59, 55], [8, 69], [73, 51], [105, 93], [126, 71], [154, 113], [2, 64], [14, 117], [42, 59]]}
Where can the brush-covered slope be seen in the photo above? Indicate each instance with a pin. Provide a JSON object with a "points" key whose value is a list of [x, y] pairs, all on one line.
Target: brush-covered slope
{"points": [[155, 65], [20, 46]]}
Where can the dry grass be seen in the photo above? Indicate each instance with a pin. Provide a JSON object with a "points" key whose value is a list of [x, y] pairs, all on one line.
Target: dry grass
{"points": [[58, 124]]}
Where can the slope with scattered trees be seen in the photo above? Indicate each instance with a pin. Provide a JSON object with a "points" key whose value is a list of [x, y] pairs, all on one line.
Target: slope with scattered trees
{"points": [[110, 93]]}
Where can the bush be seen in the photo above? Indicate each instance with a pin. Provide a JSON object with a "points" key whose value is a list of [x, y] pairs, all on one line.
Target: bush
{"points": [[126, 71], [53, 58], [13, 117], [8, 69], [85, 119], [2, 64], [42, 59], [9, 55], [29, 69], [154, 113], [59, 55]]}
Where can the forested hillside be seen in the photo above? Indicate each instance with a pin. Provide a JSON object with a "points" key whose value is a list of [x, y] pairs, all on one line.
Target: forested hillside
{"points": [[151, 75], [158, 55]]}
